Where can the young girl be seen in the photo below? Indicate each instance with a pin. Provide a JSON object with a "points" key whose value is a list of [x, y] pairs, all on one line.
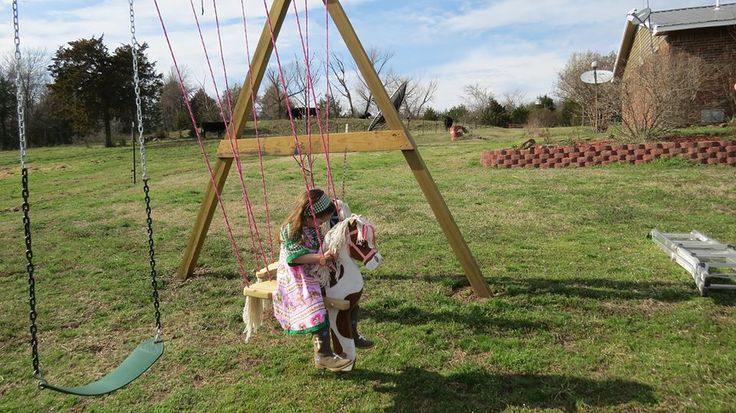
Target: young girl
{"points": [[297, 301]]}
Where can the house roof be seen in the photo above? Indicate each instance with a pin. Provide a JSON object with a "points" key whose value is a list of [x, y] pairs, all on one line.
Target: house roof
{"points": [[692, 18], [664, 21]]}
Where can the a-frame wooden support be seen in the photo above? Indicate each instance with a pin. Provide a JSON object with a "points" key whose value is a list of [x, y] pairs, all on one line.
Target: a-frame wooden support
{"points": [[396, 138]]}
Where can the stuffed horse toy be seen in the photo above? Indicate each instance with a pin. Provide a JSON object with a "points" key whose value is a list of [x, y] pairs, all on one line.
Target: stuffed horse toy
{"points": [[351, 239]]}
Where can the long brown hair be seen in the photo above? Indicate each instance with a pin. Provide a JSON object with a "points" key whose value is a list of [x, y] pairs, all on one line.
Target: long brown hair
{"points": [[297, 217]]}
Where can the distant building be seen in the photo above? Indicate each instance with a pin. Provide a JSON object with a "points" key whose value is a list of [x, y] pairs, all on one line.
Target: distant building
{"points": [[708, 32]]}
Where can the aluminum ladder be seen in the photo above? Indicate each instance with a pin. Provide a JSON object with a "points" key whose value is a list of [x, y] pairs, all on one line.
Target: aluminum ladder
{"points": [[711, 263]]}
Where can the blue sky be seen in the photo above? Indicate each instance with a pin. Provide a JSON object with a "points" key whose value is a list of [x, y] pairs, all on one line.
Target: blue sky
{"points": [[505, 45]]}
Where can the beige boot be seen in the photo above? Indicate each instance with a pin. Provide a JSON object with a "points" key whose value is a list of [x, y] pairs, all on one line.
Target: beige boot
{"points": [[324, 358]]}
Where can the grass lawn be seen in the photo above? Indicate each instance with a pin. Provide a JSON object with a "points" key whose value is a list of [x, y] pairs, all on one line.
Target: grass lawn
{"points": [[587, 314]]}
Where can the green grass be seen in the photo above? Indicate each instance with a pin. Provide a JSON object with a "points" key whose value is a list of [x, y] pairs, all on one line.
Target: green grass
{"points": [[587, 314]]}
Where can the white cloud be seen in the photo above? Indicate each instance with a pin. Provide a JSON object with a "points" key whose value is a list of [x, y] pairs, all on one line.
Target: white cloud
{"points": [[532, 73]]}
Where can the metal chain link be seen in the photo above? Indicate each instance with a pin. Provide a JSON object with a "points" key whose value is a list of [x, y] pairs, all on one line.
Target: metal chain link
{"points": [[31, 280], [26, 204], [136, 86], [144, 170], [152, 256], [19, 89], [344, 171]]}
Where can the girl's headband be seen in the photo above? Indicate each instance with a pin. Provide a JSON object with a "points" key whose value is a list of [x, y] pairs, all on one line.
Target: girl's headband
{"points": [[320, 205]]}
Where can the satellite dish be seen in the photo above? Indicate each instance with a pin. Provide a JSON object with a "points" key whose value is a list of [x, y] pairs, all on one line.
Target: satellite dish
{"points": [[397, 98], [596, 77], [639, 17]]}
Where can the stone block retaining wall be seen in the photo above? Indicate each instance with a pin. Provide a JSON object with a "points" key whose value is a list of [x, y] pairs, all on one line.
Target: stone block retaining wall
{"points": [[702, 152]]}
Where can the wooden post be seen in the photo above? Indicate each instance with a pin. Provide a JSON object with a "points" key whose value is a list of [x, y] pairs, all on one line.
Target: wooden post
{"points": [[204, 219], [412, 156], [241, 110]]}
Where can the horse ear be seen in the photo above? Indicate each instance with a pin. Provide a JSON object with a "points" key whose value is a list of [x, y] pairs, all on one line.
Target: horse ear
{"points": [[344, 209]]}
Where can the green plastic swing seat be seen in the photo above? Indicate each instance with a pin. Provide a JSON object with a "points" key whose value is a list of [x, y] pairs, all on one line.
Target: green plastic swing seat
{"points": [[136, 364]]}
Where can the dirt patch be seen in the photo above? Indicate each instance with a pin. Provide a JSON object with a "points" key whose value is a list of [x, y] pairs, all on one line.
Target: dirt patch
{"points": [[465, 295], [646, 307]]}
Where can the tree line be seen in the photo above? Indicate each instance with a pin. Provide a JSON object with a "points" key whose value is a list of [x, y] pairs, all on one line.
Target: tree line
{"points": [[85, 92]]}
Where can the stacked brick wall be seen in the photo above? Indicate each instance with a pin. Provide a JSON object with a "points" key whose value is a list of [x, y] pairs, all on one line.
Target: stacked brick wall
{"points": [[702, 152], [716, 46]]}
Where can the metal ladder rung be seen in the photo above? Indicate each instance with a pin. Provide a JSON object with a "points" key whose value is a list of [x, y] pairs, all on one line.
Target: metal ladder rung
{"points": [[693, 251], [676, 236], [715, 254], [723, 286], [699, 245], [722, 274], [721, 264]]}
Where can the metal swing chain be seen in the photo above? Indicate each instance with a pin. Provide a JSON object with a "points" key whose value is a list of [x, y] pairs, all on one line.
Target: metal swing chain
{"points": [[144, 170], [26, 194], [344, 171]]}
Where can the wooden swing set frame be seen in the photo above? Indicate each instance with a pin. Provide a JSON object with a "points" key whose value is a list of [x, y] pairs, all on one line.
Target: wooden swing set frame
{"points": [[397, 137]]}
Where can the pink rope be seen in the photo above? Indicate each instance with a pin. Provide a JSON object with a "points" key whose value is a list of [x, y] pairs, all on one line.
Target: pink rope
{"points": [[310, 86], [233, 147], [291, 117], [327, 91], [200, 142], [258, 137], [255, 233], [306, 100]]}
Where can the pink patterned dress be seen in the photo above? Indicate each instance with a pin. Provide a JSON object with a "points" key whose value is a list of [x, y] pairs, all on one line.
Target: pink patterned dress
{"points": [[297, 301]]}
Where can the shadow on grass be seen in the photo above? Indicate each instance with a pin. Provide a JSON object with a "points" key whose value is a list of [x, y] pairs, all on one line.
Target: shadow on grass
{"points": [[479, 319], [607, 289], [415, 389], [583, 287]]}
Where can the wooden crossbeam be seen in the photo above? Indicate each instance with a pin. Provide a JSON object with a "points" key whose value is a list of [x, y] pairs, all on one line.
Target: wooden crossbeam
{"points": [[390, 140]]}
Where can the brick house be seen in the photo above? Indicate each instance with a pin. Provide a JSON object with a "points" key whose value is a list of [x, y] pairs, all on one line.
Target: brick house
{"points": [[708, 32]]}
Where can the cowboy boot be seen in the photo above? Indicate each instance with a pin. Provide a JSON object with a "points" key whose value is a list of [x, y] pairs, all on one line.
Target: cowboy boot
{"points": [[360, 341], [324, 358]]}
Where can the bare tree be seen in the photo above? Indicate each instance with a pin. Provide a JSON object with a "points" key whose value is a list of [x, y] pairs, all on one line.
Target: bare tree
{"points": [[418, 94], [379, 59], [174, 114], [477, 98], [340, 81], [34, 76], [513, 99], [273, 101], [570, 87], [729, 75], [303, 86], [661, 93]]}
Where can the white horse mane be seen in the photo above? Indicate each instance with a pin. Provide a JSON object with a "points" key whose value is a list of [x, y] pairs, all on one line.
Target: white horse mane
{"points": [[338, 235]]}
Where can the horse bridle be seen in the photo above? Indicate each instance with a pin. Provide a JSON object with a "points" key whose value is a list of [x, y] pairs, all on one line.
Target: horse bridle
{"points": [[354, 247]]}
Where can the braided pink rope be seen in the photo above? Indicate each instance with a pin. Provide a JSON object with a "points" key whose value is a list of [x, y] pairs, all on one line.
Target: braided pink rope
{"points": [[310, 86], [200, 142], [258, 137], [236, 154], [255, 233], [291, 117]]}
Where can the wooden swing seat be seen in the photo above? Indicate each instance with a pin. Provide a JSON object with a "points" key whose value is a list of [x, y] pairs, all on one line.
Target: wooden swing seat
{"points": [[264, 288]]}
